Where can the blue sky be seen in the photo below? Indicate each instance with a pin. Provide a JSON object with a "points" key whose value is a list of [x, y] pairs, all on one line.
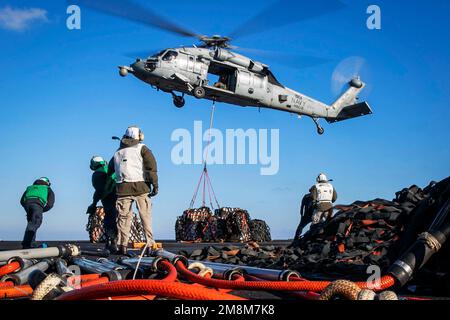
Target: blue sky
{"points": [[61, 100]]}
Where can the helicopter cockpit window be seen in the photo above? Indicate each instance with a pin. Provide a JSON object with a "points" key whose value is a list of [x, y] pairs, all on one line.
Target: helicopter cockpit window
{"points": [[156, 55], [170, 55]]}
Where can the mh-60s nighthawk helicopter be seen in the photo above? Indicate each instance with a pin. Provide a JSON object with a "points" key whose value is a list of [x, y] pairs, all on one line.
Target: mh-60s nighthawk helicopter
{"points": [[211, 70]]}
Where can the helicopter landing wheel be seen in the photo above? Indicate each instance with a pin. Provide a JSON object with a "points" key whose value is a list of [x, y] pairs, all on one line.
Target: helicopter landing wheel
{"points": [[320, 131], [178, 101], [199, 92]]}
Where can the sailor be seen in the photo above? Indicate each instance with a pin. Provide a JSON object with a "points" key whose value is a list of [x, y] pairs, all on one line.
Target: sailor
{"points": [[306, 212], [222, 83], [323, 196], [105, 185], [37, 199], [137, 182]]}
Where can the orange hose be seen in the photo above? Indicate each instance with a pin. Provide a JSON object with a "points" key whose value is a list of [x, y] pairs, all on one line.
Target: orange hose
{"points": [[9, 268], [315, 286], [72, 281], [89, 277], [16, 292], [6, 284], [94, 282], [146, 287], [8, 290]]}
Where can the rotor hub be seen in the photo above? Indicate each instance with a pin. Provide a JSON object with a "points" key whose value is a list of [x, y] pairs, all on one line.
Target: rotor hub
{"points": [[215, 41]]}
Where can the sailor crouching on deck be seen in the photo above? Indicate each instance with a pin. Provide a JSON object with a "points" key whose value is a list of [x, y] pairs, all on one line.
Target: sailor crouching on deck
{"points": [[37, 199]]}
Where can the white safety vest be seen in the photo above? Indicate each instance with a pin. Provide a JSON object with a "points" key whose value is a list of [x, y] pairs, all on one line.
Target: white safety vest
{"points": [[324, 192], [129, 164]]}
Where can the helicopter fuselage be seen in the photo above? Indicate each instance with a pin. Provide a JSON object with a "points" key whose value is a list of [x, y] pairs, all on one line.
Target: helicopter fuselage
{"points": [[224, 76]]}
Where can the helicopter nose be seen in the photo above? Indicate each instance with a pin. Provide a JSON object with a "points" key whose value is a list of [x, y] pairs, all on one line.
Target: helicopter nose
{"points": [[138, 66]]}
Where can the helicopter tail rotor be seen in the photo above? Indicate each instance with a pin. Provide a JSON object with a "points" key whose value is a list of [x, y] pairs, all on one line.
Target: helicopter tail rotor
{"points": [[347, 106], [348, 69]]}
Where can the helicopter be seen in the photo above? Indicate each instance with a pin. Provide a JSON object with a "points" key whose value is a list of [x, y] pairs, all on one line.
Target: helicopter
{"points": [[213, 70]]}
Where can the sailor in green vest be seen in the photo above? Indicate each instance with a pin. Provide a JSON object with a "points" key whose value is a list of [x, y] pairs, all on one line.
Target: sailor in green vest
{"points": [[105, 192], [37, 199]]}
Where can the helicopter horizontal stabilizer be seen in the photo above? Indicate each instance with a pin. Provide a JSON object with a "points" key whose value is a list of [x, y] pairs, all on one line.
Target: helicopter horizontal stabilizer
{"points": [[350, 112]]}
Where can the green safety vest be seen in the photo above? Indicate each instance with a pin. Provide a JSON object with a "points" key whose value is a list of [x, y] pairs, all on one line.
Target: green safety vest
{"points": [[110, 181], [37, 192]]}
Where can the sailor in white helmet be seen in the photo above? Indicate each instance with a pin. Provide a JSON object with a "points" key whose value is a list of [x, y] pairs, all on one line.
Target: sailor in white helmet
{"points": [[137, 182], [323, 195]]}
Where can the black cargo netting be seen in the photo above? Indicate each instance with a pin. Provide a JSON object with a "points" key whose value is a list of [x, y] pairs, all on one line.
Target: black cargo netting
{"points": [[366, 233], [95, 226], [137, 233], [260, 231], [226, 224], [373, 232], [96, 229]]}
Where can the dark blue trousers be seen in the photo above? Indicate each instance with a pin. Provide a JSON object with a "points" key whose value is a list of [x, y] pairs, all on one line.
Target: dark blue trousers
{"points": [[34, 217], [110, 220]]}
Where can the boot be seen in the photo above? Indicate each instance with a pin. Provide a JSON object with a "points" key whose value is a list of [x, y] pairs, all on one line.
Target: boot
{"points": [[111, 246], [122, 250], [28, 239]]}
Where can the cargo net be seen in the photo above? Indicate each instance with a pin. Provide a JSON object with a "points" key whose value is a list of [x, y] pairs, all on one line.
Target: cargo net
{"points": [[96, 229], [226, 224], [368, 233]]}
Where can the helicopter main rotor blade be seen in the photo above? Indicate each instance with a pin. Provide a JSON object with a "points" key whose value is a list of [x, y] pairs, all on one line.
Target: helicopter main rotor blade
{"points": [[281, 13], [292, 60], [133, 11], [141, 53]]}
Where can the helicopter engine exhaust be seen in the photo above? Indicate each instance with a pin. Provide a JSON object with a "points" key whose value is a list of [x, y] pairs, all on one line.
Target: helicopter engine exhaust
{"points": [[225, 55]]}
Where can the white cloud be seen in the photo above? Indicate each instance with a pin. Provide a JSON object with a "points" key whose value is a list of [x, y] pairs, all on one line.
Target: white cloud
{"points": [[20, 19]]}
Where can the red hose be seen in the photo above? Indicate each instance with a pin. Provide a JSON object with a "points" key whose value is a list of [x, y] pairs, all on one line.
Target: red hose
{"points": [[146, 287], [16, 292], [417, 299], [308, 295], [238, 277], [172, 273], [141, 297], [9, 268], [315, 286]]}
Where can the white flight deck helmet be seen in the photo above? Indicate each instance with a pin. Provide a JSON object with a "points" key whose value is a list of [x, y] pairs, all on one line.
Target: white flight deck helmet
{"points": [[46, 180], [96, 162], [134, 132], [322, 178]]}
